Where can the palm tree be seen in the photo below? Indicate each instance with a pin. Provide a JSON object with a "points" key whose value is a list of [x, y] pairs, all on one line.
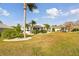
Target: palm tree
{"points": [[31, 7], [17, 28], [47, 26], [32, 24], [27, 26]]}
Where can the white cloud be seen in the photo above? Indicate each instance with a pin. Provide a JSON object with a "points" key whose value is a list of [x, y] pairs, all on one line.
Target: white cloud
{"points": [[47, 17], [65, 14], [35, 11], [53, 12], [4, 12], [71, 20], [71, 12], [75, 11]]}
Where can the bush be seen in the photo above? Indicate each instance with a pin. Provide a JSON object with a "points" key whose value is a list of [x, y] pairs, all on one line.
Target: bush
{"points": [[53, 30], [35, 31], [12, 33], [43, 31], [19, 35], [9, 33], [39, 31], [75, 29]]}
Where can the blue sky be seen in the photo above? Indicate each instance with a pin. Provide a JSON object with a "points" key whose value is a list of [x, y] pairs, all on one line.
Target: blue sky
{"points": [[50, 13]]}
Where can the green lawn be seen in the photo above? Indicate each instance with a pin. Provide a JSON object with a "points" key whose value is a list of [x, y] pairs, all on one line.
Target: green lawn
{"points": [[52, 44]]}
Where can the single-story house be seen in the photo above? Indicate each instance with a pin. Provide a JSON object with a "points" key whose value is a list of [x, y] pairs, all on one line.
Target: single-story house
{"points": [[36, 27], [3, 26], [59, 28], [56, 28]]}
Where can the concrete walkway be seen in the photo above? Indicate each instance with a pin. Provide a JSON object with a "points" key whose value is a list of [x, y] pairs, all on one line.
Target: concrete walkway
{"points": [[18, 39]]}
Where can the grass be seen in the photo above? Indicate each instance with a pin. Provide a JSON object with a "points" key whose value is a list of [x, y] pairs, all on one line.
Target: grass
{"points": [[51, 44]]}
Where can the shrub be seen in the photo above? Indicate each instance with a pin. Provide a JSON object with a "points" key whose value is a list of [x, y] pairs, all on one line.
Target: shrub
{"points": [[53, 29], [19, 35], [35, 31], [39, 31], [43, 31], [75, 29], [12, 33], [9, 33]]}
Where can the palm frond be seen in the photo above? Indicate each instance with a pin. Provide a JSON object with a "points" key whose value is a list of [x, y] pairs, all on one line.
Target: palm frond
{"points": [[31, 6]]}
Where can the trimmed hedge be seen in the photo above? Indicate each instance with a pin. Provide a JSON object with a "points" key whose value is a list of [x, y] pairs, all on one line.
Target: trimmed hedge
{"points": [[75, 29], [43, 31], [39, 31], [35, 31]]}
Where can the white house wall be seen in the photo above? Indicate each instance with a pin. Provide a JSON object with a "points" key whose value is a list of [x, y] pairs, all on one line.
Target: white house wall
{"points": [[56, 30]]}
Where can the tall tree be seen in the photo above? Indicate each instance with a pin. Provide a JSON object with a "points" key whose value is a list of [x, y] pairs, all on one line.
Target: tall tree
{"points": [[31, 7], [47, 26], [32, 24], [27, 26]]}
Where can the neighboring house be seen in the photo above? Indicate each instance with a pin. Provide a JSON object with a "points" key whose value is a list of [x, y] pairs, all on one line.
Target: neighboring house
{"points": [[36, 27], [59, 28], [39, 27], [3, 26], [56, 28]]}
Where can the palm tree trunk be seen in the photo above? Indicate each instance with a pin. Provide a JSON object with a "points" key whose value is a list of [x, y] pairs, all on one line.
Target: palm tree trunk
{"points": [[24, 20]]}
